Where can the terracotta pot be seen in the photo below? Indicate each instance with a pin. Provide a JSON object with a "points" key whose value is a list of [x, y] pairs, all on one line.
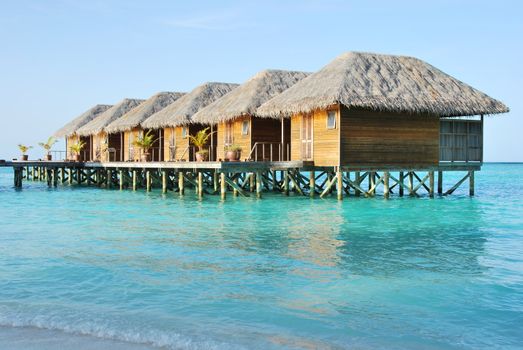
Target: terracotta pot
{"points": [[200, 157], [233, 156], [76, 158], [25, 157], [49, 157], [144, 157]]}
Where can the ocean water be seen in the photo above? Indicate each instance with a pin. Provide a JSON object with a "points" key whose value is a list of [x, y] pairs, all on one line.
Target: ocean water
{"points": [[88, 268]]}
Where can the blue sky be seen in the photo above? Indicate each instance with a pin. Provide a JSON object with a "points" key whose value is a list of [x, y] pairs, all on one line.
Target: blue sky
{"points": [[58, 58]]}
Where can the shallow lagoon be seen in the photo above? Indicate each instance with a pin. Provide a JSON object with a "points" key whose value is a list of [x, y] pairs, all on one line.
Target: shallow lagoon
{"points": [[108, 268]]}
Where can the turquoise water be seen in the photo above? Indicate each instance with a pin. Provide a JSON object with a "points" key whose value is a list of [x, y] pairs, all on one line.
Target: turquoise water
{"points": [[103, 268]]}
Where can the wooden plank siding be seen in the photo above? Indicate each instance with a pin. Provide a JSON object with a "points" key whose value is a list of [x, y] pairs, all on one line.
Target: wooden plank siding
{"points": [[369, 137], [326, 145], [244, 141], [131, 152]]}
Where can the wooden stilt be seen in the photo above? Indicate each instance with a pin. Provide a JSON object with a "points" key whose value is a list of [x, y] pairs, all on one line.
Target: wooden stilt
{"points": [[252, 181], [215, 181], [372, 183], [121, 179], [259, 184], [411, 183], [234, 189], [164, 181], [339, 187], [200, 184], [181, 184], [471, 183], [401, 182], [386, 188], [312, 184], [108, 178], [134, 180], [440, 182], [286, 182], [431, 183], [148, 180], [55, 177], [223, 186]]}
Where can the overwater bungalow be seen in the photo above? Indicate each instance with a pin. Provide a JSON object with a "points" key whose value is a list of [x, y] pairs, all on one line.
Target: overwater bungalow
{"points": [[130, 125], [68, 131], [176, 121], [376, 111], [101, 145], [238, 126]]}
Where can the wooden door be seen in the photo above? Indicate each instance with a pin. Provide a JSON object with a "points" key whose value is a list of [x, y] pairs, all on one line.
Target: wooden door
{"points": [[306, 137], [228, 134]]}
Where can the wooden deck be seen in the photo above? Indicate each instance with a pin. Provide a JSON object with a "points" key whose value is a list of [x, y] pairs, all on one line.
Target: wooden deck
{"points": [[241, 178]]}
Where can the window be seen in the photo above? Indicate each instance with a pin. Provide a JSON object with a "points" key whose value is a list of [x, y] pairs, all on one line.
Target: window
{"points": [[228, 134], [245, 127], [184, 132], [331, 119]]}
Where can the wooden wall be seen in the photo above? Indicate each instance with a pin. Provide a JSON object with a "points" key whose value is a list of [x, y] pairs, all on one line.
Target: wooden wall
{"points": [[326, 148], [382, 138], [244, 141], [128, 146], [100, 147]]}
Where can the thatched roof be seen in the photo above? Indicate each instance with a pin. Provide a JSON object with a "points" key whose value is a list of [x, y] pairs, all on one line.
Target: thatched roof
{"points": [[384, 83], [71, 127], [245, 99], [101, 121], [137, 115], [181, 111]]}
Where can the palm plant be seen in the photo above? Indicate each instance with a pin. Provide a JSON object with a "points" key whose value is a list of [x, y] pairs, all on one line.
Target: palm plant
{"points": [[48, 145], [24, 148], [77, 147], [200, 140], [145, 143]]}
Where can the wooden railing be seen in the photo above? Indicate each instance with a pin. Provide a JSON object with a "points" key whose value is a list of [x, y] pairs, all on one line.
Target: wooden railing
{"points": [[269, 151]]}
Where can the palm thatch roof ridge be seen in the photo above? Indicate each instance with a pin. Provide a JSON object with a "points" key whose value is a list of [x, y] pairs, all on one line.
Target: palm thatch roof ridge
{"points": [[84, 118], [245, 99], [98, 124], [135, 116], [384, 83], [181, 111]]}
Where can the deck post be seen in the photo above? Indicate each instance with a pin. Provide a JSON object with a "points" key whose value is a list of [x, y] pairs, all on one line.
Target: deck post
{"points": [[121, 179], [164, 181], [274, 181], [181, 184], [357, 180], [312, 183], [286, 182], [386, 188], [440, 182], [148, 180], [134, 180], [17, 178], [258, 184], [252, 181], [200, 184], [411, 183], [55, 177], [471, 182], [215, 181], [107, 178], [223, 186], [372, 183], [431, 184], [401, 182], [339, 187], [234, 190]]}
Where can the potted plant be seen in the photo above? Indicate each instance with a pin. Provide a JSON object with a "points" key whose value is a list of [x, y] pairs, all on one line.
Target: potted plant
{"points": [[199, 140], [24, 150], [233, 153], [47, 147], [145, 142], [76, 148]]}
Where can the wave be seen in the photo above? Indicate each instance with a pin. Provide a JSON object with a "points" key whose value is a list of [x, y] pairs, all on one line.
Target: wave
{"points": [[104, 330]]}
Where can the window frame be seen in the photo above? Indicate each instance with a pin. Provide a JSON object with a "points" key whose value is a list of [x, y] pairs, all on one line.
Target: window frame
{"points": [[184, 132], [335, 119], [246, 126]]}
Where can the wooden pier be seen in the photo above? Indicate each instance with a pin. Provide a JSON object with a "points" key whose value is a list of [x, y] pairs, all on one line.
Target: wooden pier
{"points": [[248, 178]]}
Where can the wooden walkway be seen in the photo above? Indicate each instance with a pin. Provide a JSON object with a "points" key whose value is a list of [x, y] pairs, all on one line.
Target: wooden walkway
{"points": [[248, 178]]}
